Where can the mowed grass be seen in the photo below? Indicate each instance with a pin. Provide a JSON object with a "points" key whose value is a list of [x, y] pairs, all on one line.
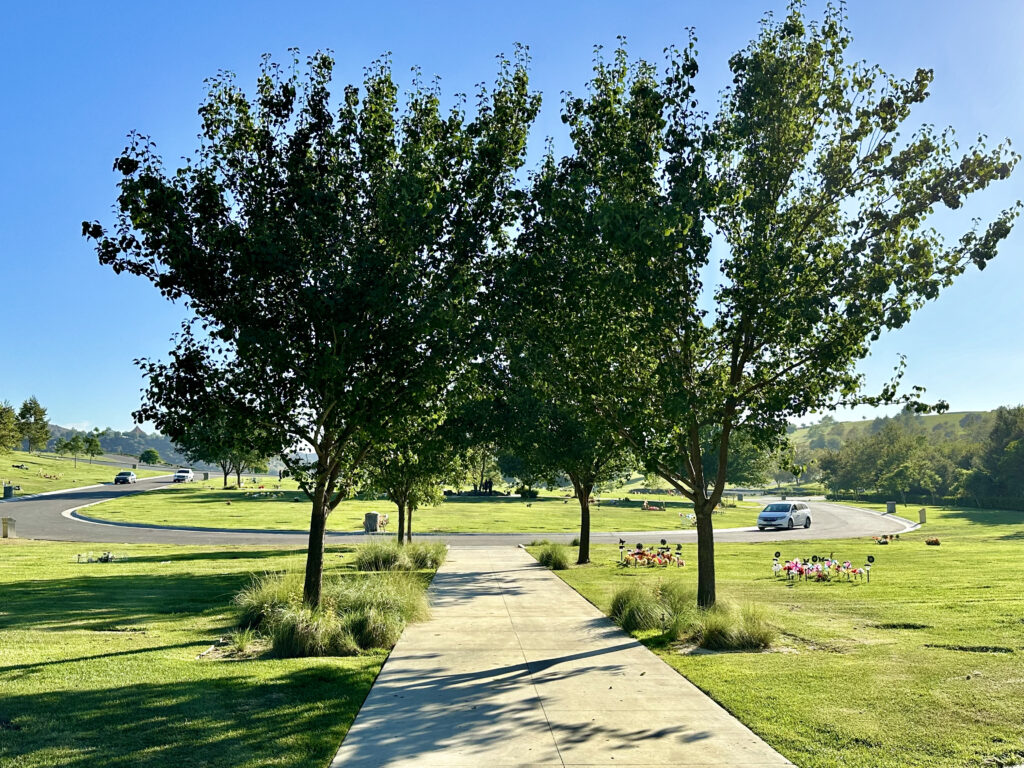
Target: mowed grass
{"points": [[53, 473], [98, 663], [924, 666], [206, 505]]}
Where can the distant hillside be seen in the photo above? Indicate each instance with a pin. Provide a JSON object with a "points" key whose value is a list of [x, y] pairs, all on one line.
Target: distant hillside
{"points": [[832, 434], [125, 443]]}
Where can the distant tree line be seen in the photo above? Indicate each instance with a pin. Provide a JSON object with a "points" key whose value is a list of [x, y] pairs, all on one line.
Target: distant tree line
{"points": [[981, 463]]}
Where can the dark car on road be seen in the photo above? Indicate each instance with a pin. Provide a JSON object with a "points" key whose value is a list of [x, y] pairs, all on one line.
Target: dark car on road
{"points": [[125, 478]]}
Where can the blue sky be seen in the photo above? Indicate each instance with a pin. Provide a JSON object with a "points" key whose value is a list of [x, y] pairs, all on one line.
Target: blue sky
{"points": [[79, 76]]}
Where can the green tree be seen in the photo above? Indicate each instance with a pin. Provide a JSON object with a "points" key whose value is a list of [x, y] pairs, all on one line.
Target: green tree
{"points": [[999, 469], [92, 446], [410, 471], [332, 252], [821, 209], [76, 447], [10, 431], [34, 426], [550, 440], [149, 456], [61, 446]]}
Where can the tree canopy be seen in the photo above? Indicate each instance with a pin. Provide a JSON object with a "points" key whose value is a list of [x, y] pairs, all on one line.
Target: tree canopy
{"points": [[820, 209], [10, 432], [331, 252], [33, 424]]}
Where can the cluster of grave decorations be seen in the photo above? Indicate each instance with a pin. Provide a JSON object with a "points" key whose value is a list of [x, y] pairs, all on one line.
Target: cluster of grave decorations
{"points": [[651, 556], [817, 568]]}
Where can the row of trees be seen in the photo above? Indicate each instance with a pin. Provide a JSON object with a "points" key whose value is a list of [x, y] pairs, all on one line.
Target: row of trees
{"points": [[78, 445], [26, 426], [372, 283], [901, 459]]}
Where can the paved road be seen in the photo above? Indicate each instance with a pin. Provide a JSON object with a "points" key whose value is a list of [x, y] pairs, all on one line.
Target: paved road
{"points": [[48, 517]]}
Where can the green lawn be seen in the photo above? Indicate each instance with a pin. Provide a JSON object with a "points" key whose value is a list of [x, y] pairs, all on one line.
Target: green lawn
{"points": [[98, 664], [924, 666], [206, 505], [53, 473]]}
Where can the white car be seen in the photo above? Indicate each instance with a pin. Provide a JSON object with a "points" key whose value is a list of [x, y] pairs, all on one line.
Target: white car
{"points": [[784, 514], [184, 476]]}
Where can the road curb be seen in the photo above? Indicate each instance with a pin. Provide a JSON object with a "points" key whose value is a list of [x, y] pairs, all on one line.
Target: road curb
{"points": [[76, 488]]}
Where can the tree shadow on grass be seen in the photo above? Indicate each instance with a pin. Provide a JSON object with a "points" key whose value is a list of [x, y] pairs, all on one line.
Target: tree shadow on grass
{"points": [[987, 516], [98, 602], [224, 554], [296, 718]]}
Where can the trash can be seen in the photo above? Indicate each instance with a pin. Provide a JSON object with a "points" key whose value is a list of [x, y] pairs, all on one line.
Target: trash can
{"points": [[7, 524], [890, 507], [370, 520], [739, 497], [922, 514], [8, 491], [783, 497], [206, 475]]}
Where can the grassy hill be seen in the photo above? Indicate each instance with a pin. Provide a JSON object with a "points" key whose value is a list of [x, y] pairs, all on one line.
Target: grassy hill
{"points": [[53, 473], [825, 434]]}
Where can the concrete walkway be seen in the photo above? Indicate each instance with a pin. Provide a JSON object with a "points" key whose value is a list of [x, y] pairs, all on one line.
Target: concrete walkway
{"points": [[516, 669]]}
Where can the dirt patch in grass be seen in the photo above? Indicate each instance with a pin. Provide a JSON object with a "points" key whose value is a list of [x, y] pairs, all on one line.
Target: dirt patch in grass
{"points": [[901, 625]]}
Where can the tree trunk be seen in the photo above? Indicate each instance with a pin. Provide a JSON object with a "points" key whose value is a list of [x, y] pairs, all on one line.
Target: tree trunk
{"points": [[238, 475], [315, 551], [401, 522], [705, 554], [583, 492], [226, 469], [408, 528]]}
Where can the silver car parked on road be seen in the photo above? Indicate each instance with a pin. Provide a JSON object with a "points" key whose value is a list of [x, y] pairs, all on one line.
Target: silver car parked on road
{"points": [[784, 514]]}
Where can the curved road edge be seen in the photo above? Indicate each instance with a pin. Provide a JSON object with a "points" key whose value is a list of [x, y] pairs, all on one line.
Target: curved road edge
{"points": [[53, 518]]}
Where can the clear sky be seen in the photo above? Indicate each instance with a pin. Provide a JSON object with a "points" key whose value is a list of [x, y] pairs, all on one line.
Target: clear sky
{"points": [[79, 76]]}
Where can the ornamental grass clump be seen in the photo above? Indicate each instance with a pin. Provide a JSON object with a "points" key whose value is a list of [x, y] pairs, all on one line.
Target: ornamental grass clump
{"points": [[425, 556], [298, 631], [265, 594], [679, 603], [726, 628], [382, 556], [554, 556], [635, 607], [399, 594], [672, 607], [357, 612]]}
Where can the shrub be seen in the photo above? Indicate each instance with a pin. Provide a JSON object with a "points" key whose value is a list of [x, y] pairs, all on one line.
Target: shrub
{"points": [[527, 493], [554, 556], [266, 594], [636, 607], [423, 556], [575, 542], [382, 556], [539, 542]]}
